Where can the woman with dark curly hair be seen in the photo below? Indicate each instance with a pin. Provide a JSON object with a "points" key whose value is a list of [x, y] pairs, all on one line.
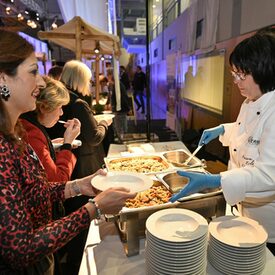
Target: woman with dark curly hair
{"points": [[249, 182]]}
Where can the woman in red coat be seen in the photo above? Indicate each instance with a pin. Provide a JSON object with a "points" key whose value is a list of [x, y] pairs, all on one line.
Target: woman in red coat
{"points": [[58, 165]]}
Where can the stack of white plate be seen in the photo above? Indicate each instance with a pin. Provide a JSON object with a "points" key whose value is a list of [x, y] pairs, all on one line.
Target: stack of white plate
{"points": [[237, 245], [176, 242]]}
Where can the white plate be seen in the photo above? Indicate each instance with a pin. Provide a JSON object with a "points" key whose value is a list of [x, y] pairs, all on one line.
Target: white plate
{"points": [[76, 142], [177, 225], [134, 181], [238, 231], [105, 117]]}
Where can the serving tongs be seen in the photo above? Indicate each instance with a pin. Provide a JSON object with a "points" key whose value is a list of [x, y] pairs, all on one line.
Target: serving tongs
{"points": [[193, 154]]}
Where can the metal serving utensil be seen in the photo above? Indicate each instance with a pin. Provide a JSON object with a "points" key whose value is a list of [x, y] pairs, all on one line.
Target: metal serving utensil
{"points": [[193, 154]]}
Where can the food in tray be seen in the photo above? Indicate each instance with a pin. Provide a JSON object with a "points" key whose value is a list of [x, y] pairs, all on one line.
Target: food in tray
{"points": [[156, 195], [138, 164]]}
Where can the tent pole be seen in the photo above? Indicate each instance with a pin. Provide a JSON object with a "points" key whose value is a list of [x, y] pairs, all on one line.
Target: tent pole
{"points": [[78, 39], [148, 94], [97, 78]]}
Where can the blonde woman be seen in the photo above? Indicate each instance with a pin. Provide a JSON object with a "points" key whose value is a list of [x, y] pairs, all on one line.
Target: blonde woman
{"points": [[90, 156], [76, 77], [58, 165]]}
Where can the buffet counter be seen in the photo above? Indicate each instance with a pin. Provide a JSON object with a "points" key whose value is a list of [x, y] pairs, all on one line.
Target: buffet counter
{"points": [[117, 244], [104, 255]]}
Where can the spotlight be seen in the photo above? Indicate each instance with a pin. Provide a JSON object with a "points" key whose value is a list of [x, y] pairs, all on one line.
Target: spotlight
{"points": [[97, 48], [20, 17], [54, 25], [8, 10], [31, 24]]}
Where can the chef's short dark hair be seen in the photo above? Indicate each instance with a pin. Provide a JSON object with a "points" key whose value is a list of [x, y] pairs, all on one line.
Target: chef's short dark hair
{"points": [[256, 56]]}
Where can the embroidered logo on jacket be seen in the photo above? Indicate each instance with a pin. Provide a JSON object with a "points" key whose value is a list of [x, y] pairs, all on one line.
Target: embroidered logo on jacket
{"points": [[253, 141]]}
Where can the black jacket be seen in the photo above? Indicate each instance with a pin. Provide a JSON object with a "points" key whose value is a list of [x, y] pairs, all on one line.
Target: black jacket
{"points": [[139, 81], [124, 99], [90, 156]]}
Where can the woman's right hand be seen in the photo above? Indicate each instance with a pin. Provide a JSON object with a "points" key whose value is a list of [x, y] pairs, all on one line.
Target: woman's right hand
{"points": [[72, 130], [112, 200]]}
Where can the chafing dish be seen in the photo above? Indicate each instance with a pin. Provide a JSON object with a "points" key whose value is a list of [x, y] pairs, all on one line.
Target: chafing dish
{"points": [[131, 221], [142, 164], [174, 182], [178, 157]]}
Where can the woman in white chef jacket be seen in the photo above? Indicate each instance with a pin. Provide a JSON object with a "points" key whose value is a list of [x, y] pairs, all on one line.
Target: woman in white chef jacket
{"points": [[250, 179]]}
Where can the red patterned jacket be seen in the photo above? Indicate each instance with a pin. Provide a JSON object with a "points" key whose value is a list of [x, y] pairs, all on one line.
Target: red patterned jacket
{"points": [[27, 232]]}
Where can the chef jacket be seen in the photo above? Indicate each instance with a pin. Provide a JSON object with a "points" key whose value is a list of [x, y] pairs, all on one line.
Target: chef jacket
{"points": [[250, 179]]}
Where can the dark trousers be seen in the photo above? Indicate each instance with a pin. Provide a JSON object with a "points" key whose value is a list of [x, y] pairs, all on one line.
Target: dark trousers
{"points": [[140, 102], [75, 247]]}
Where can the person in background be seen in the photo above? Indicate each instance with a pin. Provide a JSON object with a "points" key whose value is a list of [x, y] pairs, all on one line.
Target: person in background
{"points": [[120, 119], [103, 81], [110, 135], [139, 84], [250, 179], [58, 165], [28, 235], [90, 155], [124, 78], [55, 72]]}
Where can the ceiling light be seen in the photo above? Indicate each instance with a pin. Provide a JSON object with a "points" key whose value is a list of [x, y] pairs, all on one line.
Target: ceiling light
{"points": [[97, 48], [154, 6], [8, 10], [102, 58], [31, 24], [20, 17], [54, 24]]}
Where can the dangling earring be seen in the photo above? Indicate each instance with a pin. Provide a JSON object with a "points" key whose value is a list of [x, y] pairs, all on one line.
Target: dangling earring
{"points": [[5, 92]]}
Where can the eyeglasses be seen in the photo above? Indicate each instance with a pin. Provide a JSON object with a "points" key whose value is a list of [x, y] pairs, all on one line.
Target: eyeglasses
{"points": [[238, 76]]}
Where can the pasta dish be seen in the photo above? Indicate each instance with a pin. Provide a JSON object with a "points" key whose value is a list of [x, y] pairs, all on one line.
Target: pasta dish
{"points": [[154, 196]]}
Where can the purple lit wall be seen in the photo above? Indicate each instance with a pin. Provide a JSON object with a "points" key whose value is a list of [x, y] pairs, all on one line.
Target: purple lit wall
{"points": [[158, 90], [40, 48]]}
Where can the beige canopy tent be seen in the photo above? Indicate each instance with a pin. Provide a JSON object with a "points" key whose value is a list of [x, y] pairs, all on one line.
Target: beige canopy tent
{"points": [[82, 38]]}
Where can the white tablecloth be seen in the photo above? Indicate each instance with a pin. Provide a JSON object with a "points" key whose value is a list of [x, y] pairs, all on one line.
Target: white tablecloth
{"points": [[108, 256]]}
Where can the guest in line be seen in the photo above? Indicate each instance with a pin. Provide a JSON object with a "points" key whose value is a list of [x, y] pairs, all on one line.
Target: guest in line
{"points": [[28, 234], [90, 155]]}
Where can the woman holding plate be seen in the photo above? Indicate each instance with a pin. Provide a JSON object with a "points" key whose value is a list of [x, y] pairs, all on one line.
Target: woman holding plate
{"points": [[28, 234]]}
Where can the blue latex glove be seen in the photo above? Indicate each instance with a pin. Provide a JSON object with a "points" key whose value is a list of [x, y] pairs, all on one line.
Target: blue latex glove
{"points": [[197, 183], [210, 134]]}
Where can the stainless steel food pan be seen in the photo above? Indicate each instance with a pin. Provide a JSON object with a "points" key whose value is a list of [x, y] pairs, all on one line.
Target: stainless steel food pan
{"points": [[139, 164], [178, 157]]}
